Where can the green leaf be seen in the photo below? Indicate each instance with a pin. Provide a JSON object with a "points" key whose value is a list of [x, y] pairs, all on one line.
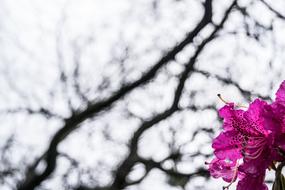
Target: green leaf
{"points": [[178, 181], [279, 183]]}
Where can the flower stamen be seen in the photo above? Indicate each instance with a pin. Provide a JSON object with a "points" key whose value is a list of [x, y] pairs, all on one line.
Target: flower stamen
{"points": [[234, 177], [222, 99], [254, 155], [226, 102]]}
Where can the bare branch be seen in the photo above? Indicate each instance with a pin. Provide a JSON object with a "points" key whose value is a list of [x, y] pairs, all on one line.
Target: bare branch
{"points": [[76, 72], [246, 93], [124, 169], [41, 111], [63, 78], [126, 166], [152, 164], [148, 169], [30, 182], [278, 14]]}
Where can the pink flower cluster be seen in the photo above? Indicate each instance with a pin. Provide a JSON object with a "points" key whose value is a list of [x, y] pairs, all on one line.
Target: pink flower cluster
{"points": [[252, 141]]}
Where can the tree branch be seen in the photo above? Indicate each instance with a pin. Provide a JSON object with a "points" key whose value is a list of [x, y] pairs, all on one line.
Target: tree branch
{"points": [[152, 164], [30, 182], [41, 111], [278, 14], [132, 158], [246, 93], [124, 169]]}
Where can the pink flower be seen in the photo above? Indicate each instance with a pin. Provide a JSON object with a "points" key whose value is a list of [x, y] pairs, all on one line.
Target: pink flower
{"points": [[252, 182], [226, 169], [274, 115], [245, 137], [253, 138]]}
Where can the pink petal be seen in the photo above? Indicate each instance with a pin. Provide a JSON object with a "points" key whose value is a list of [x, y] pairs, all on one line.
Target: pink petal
{"points": [[231, 116], [252, 183], [280, 94], [228, 145], [223, 168]]}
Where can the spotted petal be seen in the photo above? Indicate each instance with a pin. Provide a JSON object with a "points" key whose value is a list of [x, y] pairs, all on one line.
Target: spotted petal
{"points": [[250, 182], [225, 169], [280, 94], [228, 145]]}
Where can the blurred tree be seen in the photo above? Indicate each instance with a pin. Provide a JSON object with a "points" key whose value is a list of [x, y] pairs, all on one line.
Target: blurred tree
{"points": [[122, 95]]}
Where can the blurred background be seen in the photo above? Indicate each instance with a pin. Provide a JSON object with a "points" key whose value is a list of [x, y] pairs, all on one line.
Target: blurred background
{"points": [[111, 95]]}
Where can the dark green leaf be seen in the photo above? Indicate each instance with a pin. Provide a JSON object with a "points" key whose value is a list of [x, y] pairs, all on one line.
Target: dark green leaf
{"points": [[279, 183]]}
